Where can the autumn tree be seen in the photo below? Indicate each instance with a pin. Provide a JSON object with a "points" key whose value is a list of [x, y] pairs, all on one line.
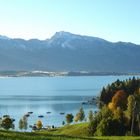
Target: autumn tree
{"points": [[118, 100], [39, 124]]}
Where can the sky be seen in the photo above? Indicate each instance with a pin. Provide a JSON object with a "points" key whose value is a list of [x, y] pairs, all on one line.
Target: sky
{"points": [[113, 20]]}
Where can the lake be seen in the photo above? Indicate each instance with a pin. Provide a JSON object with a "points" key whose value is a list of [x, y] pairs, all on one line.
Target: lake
{"points": [[49, 94]]}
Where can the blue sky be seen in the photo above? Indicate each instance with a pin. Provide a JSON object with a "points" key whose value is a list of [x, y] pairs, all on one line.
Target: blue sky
{"points": [[114, 20]]}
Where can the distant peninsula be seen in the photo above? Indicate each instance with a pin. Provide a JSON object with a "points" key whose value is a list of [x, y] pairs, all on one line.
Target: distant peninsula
{"points": [[53, 74]]}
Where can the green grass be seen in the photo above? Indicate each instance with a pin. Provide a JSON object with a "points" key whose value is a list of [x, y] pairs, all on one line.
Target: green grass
{"points": [[68, 132], [71, 130], [7, 135]]}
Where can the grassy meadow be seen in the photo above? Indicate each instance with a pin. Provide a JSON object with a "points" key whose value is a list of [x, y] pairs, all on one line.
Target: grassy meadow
{"points": [[68, 132]]}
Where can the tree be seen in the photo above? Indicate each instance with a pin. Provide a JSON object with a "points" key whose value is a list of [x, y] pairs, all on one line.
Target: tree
{"points": [[102, 129], [25, 122], [80, 115], [132, 113], [105, 112], [69, 118], [118, 100], [130, 106], [21, 125], [39, 124], [137, 111], [124, 105], [90, 116], [7, 123], [110, 127], [136, 116], [76, 118], [92, 127], [118, 114]]}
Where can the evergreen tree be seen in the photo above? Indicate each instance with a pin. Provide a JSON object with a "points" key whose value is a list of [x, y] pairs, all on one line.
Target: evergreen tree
{"points": [[90, 116]]}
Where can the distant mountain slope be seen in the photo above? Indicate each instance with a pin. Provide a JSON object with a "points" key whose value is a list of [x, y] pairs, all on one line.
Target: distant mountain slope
{"points": [[69, 52]]}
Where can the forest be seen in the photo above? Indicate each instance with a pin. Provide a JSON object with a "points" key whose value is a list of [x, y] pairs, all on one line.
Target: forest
{"points": [[119, 112]]}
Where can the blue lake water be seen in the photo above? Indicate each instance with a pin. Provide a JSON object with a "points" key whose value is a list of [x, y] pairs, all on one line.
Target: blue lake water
{"points": [[49, 94]]}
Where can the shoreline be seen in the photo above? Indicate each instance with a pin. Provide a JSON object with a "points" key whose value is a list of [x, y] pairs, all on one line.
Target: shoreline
{"points": [[8, 74]]}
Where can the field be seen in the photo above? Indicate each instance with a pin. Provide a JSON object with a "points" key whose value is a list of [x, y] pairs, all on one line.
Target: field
{"points": [[69, 132]]}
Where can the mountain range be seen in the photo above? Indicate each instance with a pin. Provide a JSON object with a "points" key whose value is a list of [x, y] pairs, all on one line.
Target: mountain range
{"points": [[65, 51]]}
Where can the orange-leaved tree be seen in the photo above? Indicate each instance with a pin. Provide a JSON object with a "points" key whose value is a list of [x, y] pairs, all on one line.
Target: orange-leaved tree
{"points": [[118, 100]]}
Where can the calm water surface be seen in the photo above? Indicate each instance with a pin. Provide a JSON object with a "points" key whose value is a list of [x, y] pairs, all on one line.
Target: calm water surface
{"points": [[49, 94]]}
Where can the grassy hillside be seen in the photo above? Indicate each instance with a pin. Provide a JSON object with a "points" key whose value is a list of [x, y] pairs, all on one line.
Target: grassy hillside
{"points": [[71, 132]]}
